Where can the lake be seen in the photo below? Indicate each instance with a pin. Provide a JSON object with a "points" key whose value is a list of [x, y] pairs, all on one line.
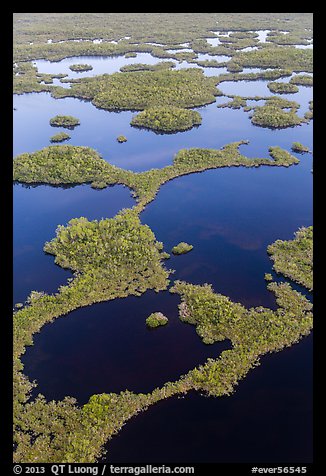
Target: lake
{"points": [[229, 215]]}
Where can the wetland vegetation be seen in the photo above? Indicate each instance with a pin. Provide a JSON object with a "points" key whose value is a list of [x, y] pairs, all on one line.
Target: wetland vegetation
{"points": [[273, 115], [139, 90], [167, 119], [147, 67], [156, 319], [79, 68], [290, 58], [60, 137], [69, 122], [181, 248], [302, 80], [298, 147], [118, 257], [310, 114], [294, 258], [282, 88]]}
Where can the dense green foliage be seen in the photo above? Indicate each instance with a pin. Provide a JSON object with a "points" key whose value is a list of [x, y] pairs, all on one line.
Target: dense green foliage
{"points": [[298, 147], [64, 121], [181, 248], [285, 39], [265, 75], [229, 155], [122, 139], [26, 79], [60, 137], [147, 67], [310, 114], [167, 119], [282, 88], [237, 102], [142, 89], [217, 318], [294, 258], [302, 80], [272, 114], [156, 319], [61, 164], [282, 156], [81, 67], [108, 245], [290, 58]]}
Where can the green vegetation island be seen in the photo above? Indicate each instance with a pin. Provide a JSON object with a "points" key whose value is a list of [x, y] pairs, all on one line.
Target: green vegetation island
{"points": [[147, 67], [298, 147], [302, 80], [294, 258], [273, 115], [60, 137], [167, 119], [139, 90], [64, 121], [156, 319], [122, 139], [79, 68], [282, 88], [181, 248]]}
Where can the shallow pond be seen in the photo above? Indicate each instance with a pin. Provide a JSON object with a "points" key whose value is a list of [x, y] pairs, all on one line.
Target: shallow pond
{"points": [[230, 216], [101, 64]]}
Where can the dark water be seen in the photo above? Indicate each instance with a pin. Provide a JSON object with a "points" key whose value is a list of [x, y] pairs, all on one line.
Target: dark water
{"points": [[267, 420], [74, 358], [37, 213], [230, 216]]}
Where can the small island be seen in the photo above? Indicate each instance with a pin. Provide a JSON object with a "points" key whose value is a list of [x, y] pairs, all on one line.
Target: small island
{"points": [[64, 121], [298, 147], [282, 88], [121, 139], [302, 80], [60, 137], [274, 117], [294, 258], [167, 119], [181, 248], [80, 68], [156, 319]]}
